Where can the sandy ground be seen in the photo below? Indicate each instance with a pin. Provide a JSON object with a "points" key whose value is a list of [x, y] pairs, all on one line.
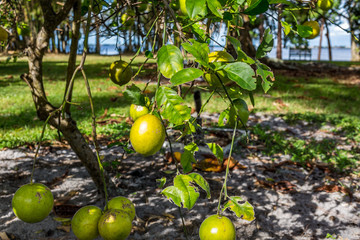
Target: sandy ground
{"points": [[290, 202]]}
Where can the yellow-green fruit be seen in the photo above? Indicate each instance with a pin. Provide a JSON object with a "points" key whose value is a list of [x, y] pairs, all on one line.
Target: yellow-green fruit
{"points": [[124, 204], [137, 111], [325, 5], [315, 28], [147, 135], [120, 72], [85, 222], [242, 112], [3, 34], [127, 19], [114, 224], [218, 57], [32, 202], [217, 227], [183, 7]]}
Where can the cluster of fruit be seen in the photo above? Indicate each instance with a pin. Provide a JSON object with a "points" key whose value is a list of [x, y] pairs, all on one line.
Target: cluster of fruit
{"points": [[33, 202]]}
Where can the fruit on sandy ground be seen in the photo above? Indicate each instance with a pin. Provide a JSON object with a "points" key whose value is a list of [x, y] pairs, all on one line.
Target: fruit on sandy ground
{"points": [[127, 19], [218, 58], [3, 34], [325, 5], [315, 28], [32, 202], [217, 227], [124, 204], [147, 135], [114, 224], [137, 111], [183, 7], [85, 222], [242, 111], [120, 72]]}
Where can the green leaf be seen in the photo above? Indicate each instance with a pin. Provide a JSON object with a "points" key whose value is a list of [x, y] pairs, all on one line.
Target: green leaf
{"points": [[172, 106], [149, 54], [173, 193], [214, 7], [223, 115], [245, 210], [196, 8], [187, 158], [281, 1], [134, 95], [242, 56], [257, 7], [199, 30], [161, 181], [251, 95], [242, 74], [266, 44], [217, 151], [304, 31], [201, 182], [266, 74], [199, 50], [169, 60], [286, 26], [186, 75]]}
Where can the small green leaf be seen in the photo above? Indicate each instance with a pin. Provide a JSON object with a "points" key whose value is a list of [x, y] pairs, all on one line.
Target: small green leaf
{"points": [[257, 7], [304, 31], [173, 193], [169, 60], [149, 54], [287, 27], [266, 74], [186, 75], [196, 8], [217, 151], [187, 193], [134, 95], [242, 56], [214, 7], [223, 115], [201, 182], [245, 210], [266, 44], [242, 74], [161, 182], [199, 50], [199, 30], [187, 158]]}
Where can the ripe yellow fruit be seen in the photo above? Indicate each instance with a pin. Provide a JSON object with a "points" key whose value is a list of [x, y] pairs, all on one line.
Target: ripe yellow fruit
{"points": [[147, 135], [315, 29], [137, 111], [120, 72], [325, 5], [124, 204], [114, 224], [3, 34], [32, 202], [217, 227], [85, 222], [218, 57]]}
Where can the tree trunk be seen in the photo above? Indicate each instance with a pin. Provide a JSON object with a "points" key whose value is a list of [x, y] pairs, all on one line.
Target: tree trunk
{"points": [[97, 29], [328, 40], [279, 35], [355, 51], [321, 36], [44, 108]]}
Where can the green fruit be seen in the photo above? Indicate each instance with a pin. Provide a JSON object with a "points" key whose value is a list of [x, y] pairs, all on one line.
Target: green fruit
{"points": [[325, 5], [85, 222], [137, 111], [315, 28], [32, 202], [127, 19], [124, 204], [120, 72], [114, 224], [242, 111], [147, 135], [218, 58], [183, 7], [217, 227], [3, 34]]}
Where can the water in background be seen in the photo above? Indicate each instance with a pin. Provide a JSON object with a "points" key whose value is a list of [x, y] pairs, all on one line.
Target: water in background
{"points": [[338, 54]]}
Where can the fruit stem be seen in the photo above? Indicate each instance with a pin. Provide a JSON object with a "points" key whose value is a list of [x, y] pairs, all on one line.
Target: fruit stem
{"points": [[224, 189]]}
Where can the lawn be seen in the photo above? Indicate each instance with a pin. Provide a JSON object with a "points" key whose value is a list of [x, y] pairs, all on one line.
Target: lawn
{"points": [[19, 124]]}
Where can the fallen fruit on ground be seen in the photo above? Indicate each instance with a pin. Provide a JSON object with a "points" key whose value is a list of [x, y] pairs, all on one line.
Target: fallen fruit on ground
{"points": [[240, 107], [124, 204], [137, 111], [85, 222], [315, 28], [120, 72], [218, 58], [32, 202], [3, 34], [147, 135], [325, 5], [217, 227], [114, 224]]}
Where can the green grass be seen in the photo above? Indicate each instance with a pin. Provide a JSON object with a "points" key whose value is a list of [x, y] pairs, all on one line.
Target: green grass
{"points": [[19, 123]]}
